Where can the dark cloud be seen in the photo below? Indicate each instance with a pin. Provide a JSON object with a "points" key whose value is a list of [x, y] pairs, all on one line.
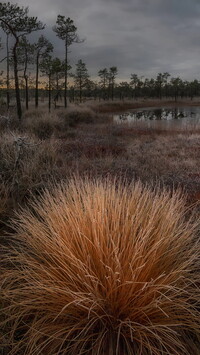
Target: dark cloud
{"points": [[138, 36]]}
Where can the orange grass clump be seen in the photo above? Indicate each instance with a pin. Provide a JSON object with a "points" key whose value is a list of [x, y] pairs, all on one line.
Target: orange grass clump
{"points": [[102, 268]]}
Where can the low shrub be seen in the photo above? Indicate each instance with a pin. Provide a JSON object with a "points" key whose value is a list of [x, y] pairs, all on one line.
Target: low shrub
{"points": [[102, 267], [76, 116], [27, 164], [43, 125]]}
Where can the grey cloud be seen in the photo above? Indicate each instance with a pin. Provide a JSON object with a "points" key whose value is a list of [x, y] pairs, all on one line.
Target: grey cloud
{"points": [[141, 36]]}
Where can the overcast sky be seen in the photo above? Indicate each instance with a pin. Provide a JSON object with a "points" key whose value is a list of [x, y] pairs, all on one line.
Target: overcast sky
{"points": [[138, 36]]}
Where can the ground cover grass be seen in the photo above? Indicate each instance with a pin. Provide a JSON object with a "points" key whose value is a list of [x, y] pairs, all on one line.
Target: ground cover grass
{"points": [[102, 267], [47, 149]]}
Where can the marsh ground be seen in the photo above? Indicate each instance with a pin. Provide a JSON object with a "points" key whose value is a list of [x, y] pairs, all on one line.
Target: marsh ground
{"points": [[84, 140]]}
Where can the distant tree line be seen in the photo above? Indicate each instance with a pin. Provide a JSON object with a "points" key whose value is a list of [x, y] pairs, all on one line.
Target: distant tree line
{"points": [[27, 63]]}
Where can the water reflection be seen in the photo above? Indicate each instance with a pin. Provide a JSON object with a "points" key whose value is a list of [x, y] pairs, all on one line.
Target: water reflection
{"points": [[160, 114]]}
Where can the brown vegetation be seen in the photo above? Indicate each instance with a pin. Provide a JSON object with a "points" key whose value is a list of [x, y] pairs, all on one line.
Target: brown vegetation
{"points": [[102, 267], [50, 148], [124, 105]]}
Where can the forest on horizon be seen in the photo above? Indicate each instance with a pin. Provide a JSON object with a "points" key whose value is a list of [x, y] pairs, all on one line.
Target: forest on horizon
{"points": [[32, 70]]}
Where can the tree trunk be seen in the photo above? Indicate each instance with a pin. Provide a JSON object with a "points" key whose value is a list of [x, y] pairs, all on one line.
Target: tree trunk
{"points": [[66, 73], [49, 92], [26, 78], [112, 91], [160, 92], [8, 74], [73, 95], [57, 84], [17, 92], [80, 90], [104, 88], [26, 90], [36, 81]]}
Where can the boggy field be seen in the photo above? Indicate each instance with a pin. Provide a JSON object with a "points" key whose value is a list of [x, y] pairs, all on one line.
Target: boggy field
{"points": [[83, 140], [106, 262]]}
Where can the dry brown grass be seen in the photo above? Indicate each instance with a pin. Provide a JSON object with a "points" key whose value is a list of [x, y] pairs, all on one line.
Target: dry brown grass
{"points": [[103, 267], [83, 114], [27, 167], [118, 105], [156, 127], [79, 114], [42, 124], [167, 154], [93, 148]]}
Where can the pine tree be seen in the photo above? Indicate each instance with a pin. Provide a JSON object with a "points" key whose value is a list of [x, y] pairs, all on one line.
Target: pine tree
{"points": [[46, 67], [67, 31], [112, 76], [15, 21], [25, 56], [104, 80], [43, 48], [81, 77]]}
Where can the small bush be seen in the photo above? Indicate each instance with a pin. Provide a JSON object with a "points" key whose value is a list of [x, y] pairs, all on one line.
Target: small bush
{"points": [[43, 125], [27, 164], [43, 129], [103, 268], [75, 117]]}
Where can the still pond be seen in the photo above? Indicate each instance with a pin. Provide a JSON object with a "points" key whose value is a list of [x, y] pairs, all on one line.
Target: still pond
{"points": [[177, 115]]}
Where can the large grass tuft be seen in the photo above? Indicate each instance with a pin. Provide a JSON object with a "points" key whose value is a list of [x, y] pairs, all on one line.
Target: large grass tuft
{"points": [[103, 268]]}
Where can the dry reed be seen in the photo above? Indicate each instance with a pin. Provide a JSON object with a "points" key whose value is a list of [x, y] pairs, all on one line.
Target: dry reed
{"points": [[102, 268]]}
